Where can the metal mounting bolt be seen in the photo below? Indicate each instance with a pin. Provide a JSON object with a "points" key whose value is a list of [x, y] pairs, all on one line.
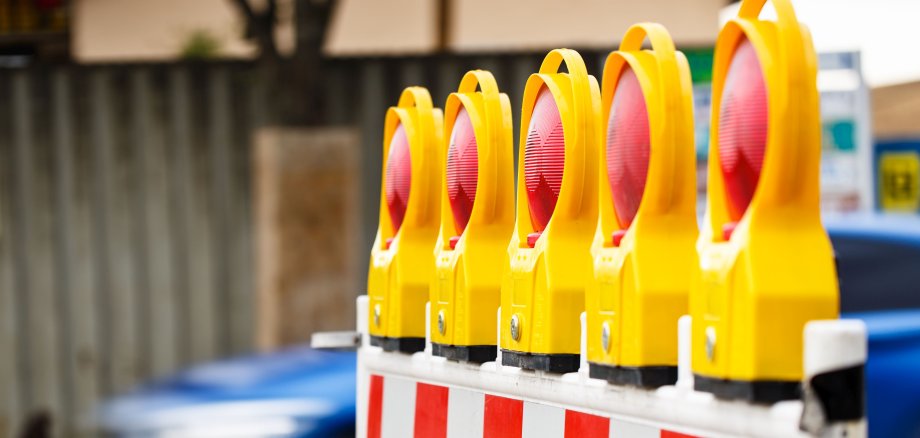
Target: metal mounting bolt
{"points": [[605, 336], [377, 315], [711, 343], [442, 325], [515, 328]]}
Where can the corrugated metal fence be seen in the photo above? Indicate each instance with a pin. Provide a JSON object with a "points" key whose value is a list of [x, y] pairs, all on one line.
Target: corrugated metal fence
{"points": [[126, 214], [125, 242]]}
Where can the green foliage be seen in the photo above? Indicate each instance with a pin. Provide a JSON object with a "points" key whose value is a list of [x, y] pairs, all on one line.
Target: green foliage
{"points": [[200, 44]]}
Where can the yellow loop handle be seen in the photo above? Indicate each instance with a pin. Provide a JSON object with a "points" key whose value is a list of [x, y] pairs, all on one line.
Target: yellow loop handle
{"points": [[582, 110], [790, 43], [669, 91], [572, 59], [420, 99], [664, 49], [492, 112], [481, 78], [578, 74], [490, 96], [417, 97], [793, 59]]}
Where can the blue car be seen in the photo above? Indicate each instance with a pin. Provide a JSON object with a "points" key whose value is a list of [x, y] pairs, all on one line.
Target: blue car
{"points": [[878, 263], [298, 392]]}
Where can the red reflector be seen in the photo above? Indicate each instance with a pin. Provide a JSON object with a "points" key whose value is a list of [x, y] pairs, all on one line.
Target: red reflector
{"points": [[618, 237], [398, 177], [453, 242], [742, 128], [627, 147], [462, 170], [544, 158], [532, 238]]}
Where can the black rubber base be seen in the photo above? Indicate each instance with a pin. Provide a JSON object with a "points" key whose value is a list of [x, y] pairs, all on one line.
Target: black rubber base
{"points": [[644, 377], [402, 345], [466, 353], [553, 363], [757, 391]]}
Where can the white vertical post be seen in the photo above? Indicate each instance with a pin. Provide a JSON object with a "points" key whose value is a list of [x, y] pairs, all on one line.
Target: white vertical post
{"points": [[684, 370], [498, 338], [428, 329], [583, 362], [361, 374]]}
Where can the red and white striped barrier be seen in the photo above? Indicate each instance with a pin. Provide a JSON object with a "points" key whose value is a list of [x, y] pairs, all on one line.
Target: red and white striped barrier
{"points": [[399, 407], [421, 395]]}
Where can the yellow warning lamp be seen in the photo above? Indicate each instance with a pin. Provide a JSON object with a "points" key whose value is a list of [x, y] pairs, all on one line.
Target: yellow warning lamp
{"points": [[644, 254], [550, 259], [766, 264], [477, 216], [401, 263]]}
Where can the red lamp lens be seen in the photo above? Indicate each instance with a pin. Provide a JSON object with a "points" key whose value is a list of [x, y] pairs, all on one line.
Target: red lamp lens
{"points": [[742, 128], [398, 177], [544, 158], [627, 147], [462, 170]]}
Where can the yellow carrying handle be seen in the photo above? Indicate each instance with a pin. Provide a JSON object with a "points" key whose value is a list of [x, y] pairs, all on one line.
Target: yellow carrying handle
{"points": [[791, 49], [416, 97], [491, 98], [664, 50], [670, 93], [488, 88], [796, 182], [582, 110], [414, 102]]}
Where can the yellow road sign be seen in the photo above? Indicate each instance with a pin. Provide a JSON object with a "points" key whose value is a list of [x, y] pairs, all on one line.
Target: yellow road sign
{"points": [[899, 181]]}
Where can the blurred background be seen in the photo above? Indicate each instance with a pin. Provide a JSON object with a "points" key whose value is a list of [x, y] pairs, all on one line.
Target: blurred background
{"points": [[187, 181]]}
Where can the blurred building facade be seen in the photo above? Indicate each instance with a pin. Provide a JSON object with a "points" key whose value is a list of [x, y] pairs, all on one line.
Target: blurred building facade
{"points": [[93, 31], [418, 27], [139, 30]]}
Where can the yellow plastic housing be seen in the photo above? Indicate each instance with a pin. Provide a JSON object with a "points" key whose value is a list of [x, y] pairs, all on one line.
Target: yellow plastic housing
{"points": [[466, 288], [755, 291], [401, 273], [543, 290], [640, 288]]}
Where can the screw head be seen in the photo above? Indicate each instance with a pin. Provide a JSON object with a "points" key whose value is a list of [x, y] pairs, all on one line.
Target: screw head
{"points": [[377, 315], [605, 336], [442, 325], [515, 328], [711, 343]]}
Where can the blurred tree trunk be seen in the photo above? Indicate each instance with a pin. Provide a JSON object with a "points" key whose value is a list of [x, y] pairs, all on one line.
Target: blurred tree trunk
{"points": [[297, 80]]}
